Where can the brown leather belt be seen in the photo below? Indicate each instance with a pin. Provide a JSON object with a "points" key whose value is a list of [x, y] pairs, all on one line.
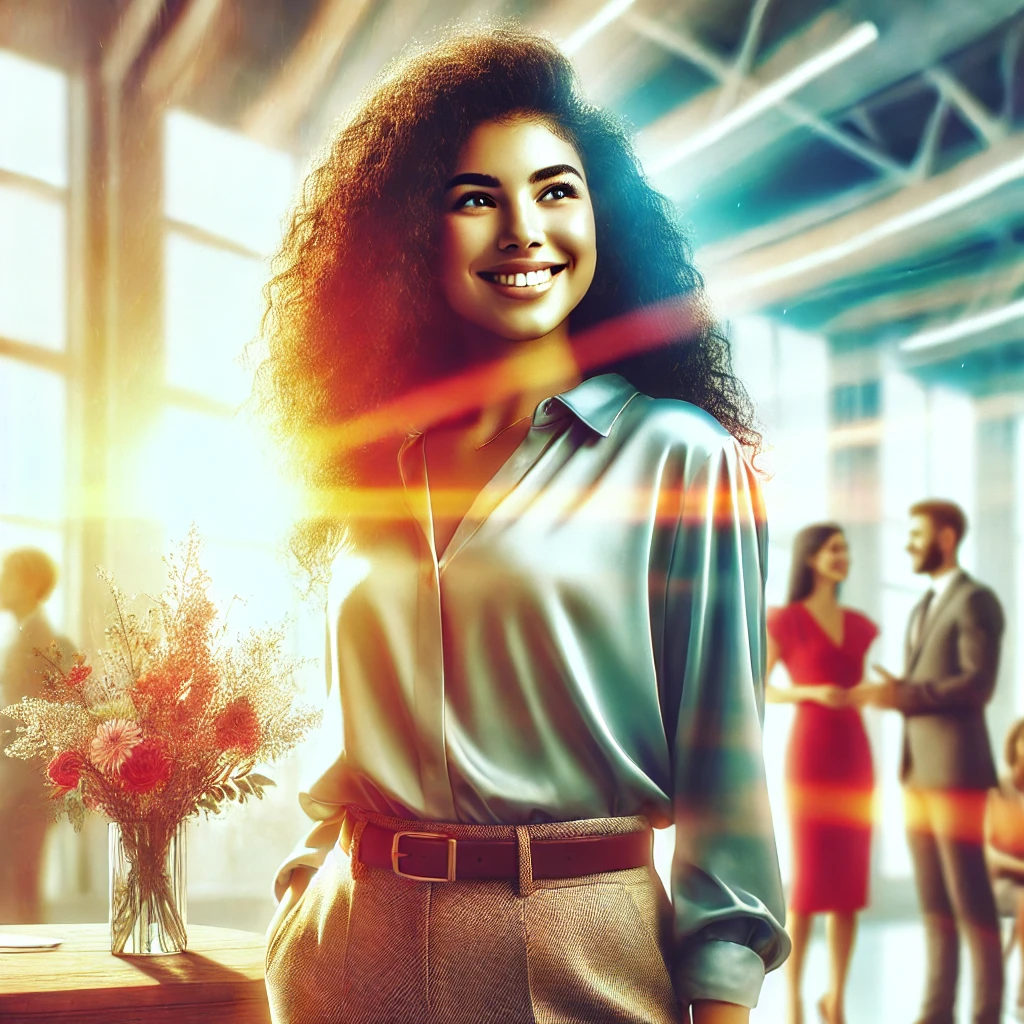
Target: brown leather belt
{"points": [[434, 857]]}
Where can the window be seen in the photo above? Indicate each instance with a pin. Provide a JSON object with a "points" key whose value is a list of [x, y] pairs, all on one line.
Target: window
{"points": [[34, 379], [224, 199], [852, 403]]}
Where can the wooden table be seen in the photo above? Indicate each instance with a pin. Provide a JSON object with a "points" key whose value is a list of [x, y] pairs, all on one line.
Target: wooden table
{"points": [[219, 978]]}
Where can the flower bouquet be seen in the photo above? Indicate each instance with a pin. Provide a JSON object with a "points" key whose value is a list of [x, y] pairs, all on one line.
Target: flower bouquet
{"points": [[173, 722]]}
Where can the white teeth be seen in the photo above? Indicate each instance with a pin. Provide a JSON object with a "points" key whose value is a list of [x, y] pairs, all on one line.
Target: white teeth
{"points": [[529, 280]]}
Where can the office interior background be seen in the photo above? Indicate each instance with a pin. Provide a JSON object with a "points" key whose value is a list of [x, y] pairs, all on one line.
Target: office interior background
{"points": [[853, 177]]}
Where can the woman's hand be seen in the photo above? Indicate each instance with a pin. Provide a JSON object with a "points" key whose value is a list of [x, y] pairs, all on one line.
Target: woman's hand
{"points": [[708, 1012], [827, 695], [296, 887]]}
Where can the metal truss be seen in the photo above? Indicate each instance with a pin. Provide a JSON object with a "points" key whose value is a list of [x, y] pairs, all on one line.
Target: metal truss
{"points": [[737, 80]]}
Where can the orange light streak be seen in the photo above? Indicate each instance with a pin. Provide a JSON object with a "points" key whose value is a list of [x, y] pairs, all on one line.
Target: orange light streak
{"points": [[630, 505], [635, 332]]}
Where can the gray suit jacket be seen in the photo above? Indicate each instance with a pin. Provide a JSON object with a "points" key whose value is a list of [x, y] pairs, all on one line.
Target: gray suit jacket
{"points": [[950, 676]]}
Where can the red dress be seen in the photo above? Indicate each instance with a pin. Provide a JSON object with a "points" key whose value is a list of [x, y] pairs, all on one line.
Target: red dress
{"points": [[829, 776]]}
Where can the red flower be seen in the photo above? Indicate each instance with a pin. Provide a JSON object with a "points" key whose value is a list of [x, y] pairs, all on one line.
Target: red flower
{"points": [[65, 771], [146, 767], [237, 727], [77, 674]]}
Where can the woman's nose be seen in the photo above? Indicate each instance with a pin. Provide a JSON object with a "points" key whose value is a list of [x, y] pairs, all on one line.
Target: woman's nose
{"points": [[521, 228]]}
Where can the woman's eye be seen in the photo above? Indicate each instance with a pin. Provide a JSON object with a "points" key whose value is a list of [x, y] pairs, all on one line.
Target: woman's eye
{"points": [[473, 201], [561, 191]]}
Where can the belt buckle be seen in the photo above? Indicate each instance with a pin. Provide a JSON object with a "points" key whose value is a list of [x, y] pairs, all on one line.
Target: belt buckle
{"points": [[396, 855]]}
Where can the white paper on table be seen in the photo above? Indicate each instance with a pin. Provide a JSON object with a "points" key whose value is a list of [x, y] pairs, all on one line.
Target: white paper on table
{"points": [[18, 942]]}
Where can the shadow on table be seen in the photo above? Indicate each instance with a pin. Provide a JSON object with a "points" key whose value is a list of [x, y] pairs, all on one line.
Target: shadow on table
{"points": [[187, 966]]}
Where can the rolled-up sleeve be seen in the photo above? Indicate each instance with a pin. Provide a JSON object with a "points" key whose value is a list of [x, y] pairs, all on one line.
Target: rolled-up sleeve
{"points": [[726, 889]]}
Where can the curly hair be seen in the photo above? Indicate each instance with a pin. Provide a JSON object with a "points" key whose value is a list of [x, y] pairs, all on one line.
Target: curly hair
{"points": [[353, 317]]}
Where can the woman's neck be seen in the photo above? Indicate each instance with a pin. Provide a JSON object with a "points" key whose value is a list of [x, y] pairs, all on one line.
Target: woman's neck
{"points": [[823, 595], [530, 371]]}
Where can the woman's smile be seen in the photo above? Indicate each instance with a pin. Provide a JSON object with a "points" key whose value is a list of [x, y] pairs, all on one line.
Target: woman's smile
{"points": [[522, 279]]}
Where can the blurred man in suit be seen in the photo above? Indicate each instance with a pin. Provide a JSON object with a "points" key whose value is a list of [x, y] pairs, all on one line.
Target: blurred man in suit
{"points": [[27, 578], [952, 658]]}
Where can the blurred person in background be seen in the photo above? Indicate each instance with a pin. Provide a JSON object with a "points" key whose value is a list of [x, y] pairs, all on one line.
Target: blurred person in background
{"points": [[952, 661], [829, 773], [27, 578], [557, 636], [1004, 846]]}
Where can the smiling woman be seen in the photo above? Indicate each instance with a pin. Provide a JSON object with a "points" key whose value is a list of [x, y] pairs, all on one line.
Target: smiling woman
{"points": [[556, 641]]}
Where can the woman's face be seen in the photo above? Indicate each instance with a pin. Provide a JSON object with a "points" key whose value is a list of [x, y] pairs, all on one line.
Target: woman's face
{"points": [[832, 560], [518, 247]]}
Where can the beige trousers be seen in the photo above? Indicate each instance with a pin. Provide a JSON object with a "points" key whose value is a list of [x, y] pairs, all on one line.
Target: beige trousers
{"points": [[378, 949]]}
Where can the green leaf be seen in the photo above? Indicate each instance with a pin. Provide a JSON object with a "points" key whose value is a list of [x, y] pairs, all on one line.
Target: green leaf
{"points": [[260, 780]]}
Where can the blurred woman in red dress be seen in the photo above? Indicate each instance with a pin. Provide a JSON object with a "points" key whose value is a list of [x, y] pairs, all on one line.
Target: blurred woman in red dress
{"points": [[829, 776]]}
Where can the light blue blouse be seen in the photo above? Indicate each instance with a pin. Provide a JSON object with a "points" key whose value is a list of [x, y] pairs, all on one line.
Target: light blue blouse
{"points": [[590, 644]]}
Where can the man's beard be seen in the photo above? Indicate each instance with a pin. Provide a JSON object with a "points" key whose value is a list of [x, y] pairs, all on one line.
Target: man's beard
{"points": [[931, 559]]}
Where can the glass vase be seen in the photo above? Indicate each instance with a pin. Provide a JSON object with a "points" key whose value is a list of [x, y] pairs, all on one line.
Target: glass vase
{"points": [[147, 887]]}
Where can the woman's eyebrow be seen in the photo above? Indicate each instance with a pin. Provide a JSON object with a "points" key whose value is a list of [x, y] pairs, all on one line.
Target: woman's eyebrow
{"points": [[472, 178], [554, 171], [489, 181]]}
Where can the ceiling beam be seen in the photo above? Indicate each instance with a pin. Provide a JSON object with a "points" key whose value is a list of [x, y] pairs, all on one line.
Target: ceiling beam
{"points": [[274, 116], [988, 288], [377, 45], [906, 47], [989, 128], [718, 68], [612, 60], [185, 52], [730, 93], [692, 117], [924, 214], [562, 19], [126, 42]]}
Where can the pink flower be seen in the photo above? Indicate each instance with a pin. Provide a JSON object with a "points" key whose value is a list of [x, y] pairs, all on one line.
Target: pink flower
{"points": [[113, 743]]}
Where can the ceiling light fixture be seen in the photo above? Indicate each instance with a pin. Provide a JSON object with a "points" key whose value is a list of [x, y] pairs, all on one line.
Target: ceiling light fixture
{"points": [[771, 95], [604, 17], [964, 328]]}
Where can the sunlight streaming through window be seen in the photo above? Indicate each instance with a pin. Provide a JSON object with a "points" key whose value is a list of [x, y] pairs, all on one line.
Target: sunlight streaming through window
{"points": [[212, 311], [225, 183], [32, 425], [33, 130], [32, 269], [211, 470]]}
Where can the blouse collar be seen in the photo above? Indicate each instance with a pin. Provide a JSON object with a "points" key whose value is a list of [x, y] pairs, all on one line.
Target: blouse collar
{"points": [[597, 402]]}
